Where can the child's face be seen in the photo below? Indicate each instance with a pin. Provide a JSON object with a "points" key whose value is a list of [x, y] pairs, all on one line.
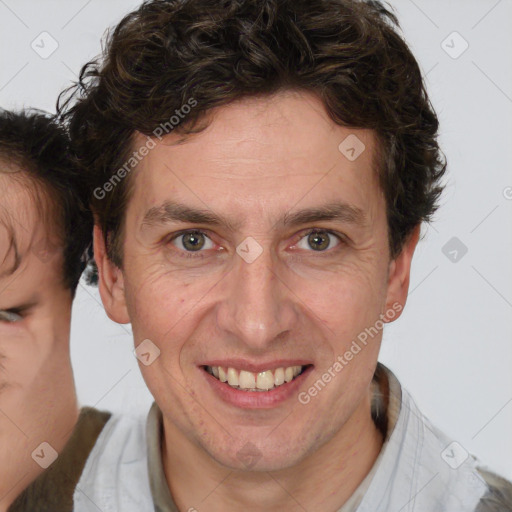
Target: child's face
{"points": [[37, 396]]}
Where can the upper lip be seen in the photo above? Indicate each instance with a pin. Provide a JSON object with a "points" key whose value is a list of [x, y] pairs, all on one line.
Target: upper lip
{"points": [[256, 367]]}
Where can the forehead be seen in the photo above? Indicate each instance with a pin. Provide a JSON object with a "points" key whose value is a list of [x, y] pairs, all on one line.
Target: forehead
{"points": [[24, 216], [261, 153], [17, 223]]}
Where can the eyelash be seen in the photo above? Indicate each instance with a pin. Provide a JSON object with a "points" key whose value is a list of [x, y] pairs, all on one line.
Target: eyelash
{"points": [[197, 254], [4, 316]]}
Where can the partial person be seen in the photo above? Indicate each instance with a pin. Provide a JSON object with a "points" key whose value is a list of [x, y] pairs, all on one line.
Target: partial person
{"points": [[45, 231]]}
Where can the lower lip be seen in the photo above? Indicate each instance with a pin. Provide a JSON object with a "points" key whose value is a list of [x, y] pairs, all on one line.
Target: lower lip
{"points": [[256, 399]]}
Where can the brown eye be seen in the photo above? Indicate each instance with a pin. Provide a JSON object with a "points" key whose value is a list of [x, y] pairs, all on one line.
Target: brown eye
{"points": [[192, 241], [319, 240]]}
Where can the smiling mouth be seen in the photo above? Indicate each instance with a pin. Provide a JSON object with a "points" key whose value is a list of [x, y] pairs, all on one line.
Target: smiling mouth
{"points": [[261, 381]]}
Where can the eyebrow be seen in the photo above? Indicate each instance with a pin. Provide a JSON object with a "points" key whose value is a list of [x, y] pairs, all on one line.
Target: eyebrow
{"points": [[170, 211], [341, 212]]}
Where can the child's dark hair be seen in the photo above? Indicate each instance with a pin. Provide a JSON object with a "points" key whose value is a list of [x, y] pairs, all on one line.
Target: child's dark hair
{"points": [[37, 146]]}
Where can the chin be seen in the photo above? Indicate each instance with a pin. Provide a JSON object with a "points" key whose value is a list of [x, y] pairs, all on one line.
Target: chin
{"points": [[257, 455]]}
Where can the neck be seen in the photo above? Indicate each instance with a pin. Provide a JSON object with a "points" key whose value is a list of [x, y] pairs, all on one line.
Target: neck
{"points": [[324, 480]]}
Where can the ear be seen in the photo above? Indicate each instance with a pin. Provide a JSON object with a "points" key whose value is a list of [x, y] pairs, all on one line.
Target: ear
{"points": [[399, 276], [110, 281]]}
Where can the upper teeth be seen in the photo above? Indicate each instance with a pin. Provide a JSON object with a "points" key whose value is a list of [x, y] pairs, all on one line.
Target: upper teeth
{"points": [[261, 381]]}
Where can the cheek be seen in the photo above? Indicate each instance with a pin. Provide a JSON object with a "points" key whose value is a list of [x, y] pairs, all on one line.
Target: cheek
{"points": [[21, 365], [162, 309], [347, 299], [167, 312]]}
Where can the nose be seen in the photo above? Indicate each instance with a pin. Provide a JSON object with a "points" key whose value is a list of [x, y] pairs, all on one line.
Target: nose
{"points": [[257, 306]]}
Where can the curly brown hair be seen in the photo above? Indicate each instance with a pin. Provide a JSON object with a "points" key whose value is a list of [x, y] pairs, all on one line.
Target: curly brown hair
{"points": [[167, 52]]}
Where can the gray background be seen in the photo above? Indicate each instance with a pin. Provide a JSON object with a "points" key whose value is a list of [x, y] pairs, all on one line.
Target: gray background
{"points": [[452, 348]]}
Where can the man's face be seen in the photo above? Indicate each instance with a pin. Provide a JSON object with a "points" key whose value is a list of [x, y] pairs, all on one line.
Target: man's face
{"points": [[256, 291], [36, 384]]}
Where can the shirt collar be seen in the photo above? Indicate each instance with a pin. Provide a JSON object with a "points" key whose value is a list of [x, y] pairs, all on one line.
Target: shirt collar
{"points": [[386, 405], [158, 483]]}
